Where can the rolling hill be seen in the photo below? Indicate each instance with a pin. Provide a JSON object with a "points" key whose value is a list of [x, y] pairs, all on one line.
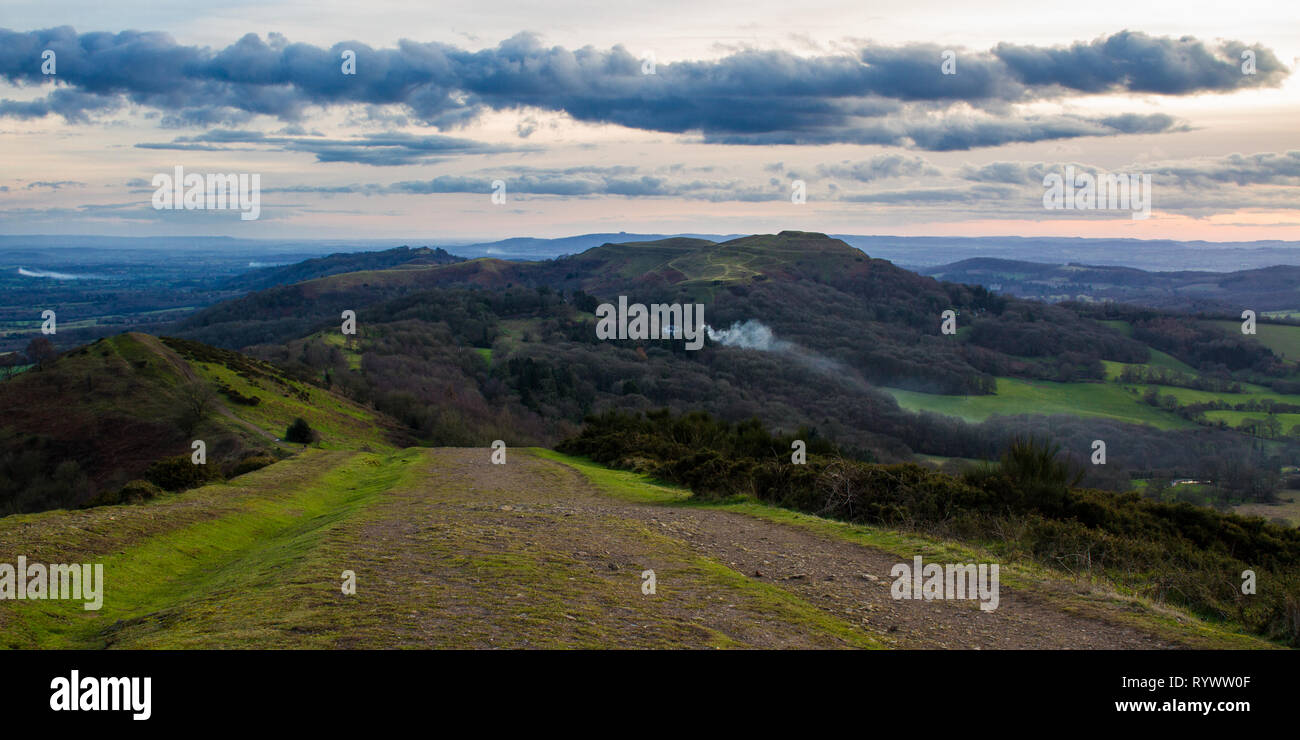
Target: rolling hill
{"points": [[101, 415], [488, 349]]}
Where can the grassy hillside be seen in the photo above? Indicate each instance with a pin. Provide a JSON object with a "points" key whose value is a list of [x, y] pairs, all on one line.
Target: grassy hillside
{"points": [[101, 415], [342, 424], [1027, 508]]}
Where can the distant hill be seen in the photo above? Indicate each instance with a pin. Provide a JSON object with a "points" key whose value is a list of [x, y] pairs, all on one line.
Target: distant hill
{"points": [[1274, 288], [922, 252], [879, 319], [334, 264], [531, 248], [919, 252]]}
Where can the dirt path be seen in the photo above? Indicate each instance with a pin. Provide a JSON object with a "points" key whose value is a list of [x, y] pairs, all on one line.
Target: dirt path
{"points": [[525, 555], [531, 554], [451, 551]]}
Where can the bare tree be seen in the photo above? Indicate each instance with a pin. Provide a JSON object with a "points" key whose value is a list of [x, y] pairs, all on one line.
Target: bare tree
{"points": [[41, 352], [198, 401]]}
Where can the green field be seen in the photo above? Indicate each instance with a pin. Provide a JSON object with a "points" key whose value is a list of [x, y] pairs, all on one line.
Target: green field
{"points": [[939, 460], [1282, 339], [1015, 396], [1158, 359], [1234, 418], [250, 529], [1104, 400], [1251, 393], [338, 340], [1123, 327]]}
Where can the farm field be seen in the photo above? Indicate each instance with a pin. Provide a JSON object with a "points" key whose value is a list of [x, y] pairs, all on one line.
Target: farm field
{"points": [[1158, 359], [1234, 418], [1288, 509], [1282, 339], [1191, 395], [1015, 396]]}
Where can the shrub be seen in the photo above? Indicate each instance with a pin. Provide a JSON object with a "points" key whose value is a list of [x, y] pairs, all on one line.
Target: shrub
{"points": [[234, 395], [300, 432], [249, 464], [178, 473], [133, 492]]}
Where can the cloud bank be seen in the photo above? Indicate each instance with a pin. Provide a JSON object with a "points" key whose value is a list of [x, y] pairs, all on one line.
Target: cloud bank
{"points": [[890, 95]]}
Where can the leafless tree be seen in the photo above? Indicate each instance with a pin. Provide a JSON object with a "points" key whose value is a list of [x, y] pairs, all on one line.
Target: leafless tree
{"points": [[41, 352], [198, 401]]}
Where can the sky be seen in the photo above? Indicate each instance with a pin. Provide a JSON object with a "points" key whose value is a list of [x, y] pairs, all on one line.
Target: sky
{"points": [[919, 118]]}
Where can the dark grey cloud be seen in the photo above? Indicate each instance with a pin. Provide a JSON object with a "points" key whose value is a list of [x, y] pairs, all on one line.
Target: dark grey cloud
{"points": [[932, 196], [1263, 168], [583, 181], [881, 167], [959, 132], [1020, 173], [879, 95], [590, 183], [74, 105], [54, 185], [381, 149], [1135, 62], [1266, 168]]}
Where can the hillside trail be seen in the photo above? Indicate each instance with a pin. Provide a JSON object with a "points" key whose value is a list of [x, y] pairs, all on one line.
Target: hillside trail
{"points": [[451, 551], [530, 553]]}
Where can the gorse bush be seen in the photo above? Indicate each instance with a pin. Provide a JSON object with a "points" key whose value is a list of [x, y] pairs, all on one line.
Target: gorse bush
{"points": [[178, 473], [1025, 507], [1031, 462], [133, 492], [251, 463], [1031, 475], [300, 432]]}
